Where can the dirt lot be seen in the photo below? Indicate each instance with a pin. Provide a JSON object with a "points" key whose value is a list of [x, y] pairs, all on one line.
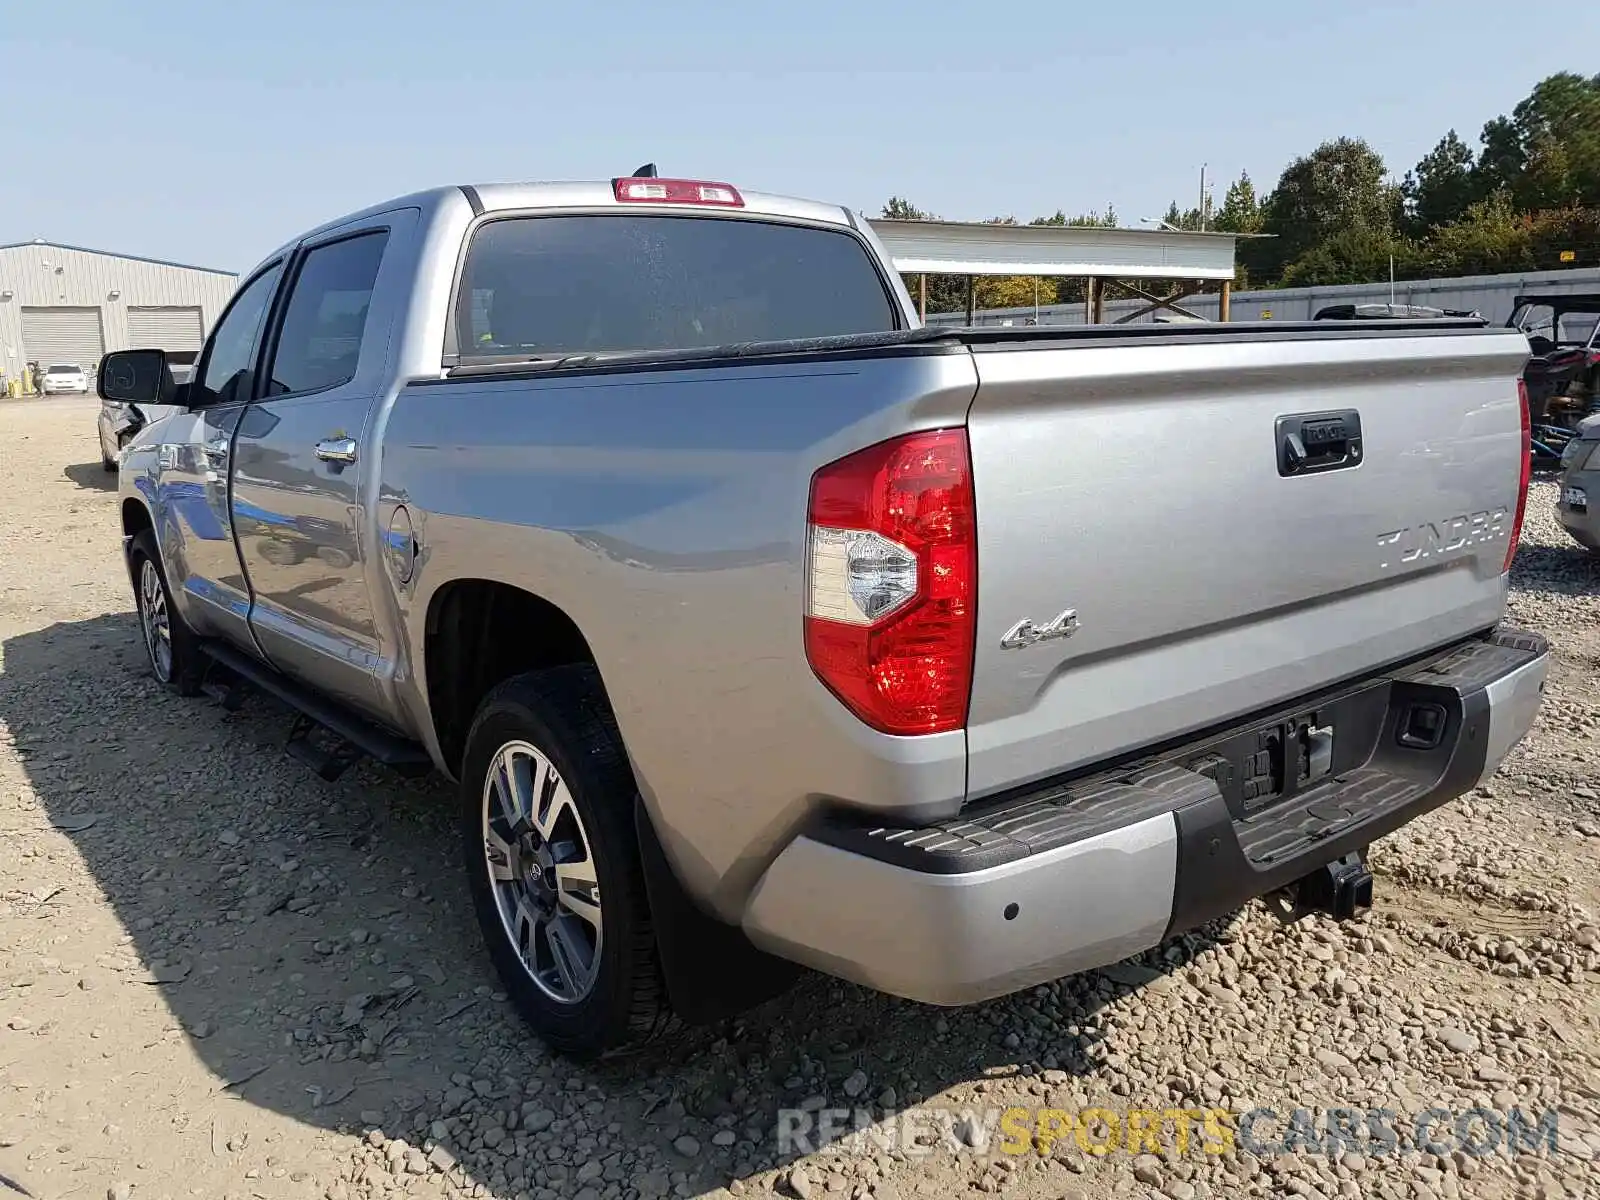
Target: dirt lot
{"points": [[220, 977]]}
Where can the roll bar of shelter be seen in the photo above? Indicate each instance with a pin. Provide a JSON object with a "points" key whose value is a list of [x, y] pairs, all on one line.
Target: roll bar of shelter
{"points": [[1106, 258]]}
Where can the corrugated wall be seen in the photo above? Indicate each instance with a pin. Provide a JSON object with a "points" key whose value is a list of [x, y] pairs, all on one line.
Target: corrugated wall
{"points": [[44, 275], [1489, 294]]}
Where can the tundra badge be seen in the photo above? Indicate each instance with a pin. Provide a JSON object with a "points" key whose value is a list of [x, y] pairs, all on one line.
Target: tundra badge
{"points": [[1026, 633]]}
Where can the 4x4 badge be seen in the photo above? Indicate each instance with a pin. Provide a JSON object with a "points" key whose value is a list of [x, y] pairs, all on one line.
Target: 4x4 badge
{"points": [[1026, 633]]}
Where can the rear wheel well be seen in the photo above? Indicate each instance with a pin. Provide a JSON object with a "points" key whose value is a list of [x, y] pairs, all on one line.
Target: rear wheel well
{"points": [[479, 634]]}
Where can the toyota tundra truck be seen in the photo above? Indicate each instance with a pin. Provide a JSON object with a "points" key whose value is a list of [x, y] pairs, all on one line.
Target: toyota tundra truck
{"points": [[762, 627]]}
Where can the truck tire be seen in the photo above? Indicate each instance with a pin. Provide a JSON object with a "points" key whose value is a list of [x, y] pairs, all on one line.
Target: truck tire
{"points": [[170, 644], [553, 864]]}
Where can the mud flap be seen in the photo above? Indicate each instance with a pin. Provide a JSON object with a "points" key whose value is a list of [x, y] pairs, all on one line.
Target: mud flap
{"points": [[712, 970]]}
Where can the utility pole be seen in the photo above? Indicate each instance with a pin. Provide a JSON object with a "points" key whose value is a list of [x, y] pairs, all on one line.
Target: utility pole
{"points": [[1202, 208]]}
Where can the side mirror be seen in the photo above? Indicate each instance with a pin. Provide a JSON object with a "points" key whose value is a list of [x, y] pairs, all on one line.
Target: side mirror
{"points": [[136, 377]]}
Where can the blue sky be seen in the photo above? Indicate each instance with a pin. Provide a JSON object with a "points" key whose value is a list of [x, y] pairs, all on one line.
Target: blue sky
{"points": [[209, 132]]}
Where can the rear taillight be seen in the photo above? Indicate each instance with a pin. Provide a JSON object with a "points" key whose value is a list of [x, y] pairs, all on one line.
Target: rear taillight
{"points": [[892, 582], [677, 191], [1527, 470]]}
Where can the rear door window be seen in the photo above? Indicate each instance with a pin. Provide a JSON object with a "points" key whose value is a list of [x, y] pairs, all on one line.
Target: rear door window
{"points": [[549, 286]]}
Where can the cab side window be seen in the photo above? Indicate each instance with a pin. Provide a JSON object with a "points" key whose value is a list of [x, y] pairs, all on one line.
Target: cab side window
{"points": [[230, 363], [323, 323]]}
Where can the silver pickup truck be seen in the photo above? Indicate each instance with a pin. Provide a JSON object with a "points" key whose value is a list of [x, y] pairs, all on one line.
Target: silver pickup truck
{"points": [[761, 626]]}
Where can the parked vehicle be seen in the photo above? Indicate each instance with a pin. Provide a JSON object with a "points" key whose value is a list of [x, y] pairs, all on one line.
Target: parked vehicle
{"points": [[64, 379], [1388, 312], [1563, 374], [1580, 479], [117, 421], [761, 626]]}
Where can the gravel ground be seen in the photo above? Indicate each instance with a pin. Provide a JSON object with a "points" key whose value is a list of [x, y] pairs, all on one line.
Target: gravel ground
{"points": [[219, 977]]}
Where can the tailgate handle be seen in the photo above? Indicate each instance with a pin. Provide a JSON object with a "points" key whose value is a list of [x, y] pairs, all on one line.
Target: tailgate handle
{"points": [[1312, 442]]}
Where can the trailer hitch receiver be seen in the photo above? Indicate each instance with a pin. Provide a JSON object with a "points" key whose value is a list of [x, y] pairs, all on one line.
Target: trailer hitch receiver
{"points": [[1342, 889]]}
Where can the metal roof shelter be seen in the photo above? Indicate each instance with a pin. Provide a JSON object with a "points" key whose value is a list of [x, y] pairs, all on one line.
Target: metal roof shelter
{"points": [[1100, 255]]}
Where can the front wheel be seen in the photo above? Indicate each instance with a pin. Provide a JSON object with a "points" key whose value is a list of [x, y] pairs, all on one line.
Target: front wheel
{"points": [[168, 641], [553, 864]]}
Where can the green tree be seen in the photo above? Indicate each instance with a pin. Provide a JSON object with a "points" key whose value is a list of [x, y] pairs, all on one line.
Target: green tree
{"points": [[1558, 126], [1556, 230], [1360, 254], [1240, 211], [946, 293], [1190, 218], [1501, 159], [1547, 152], [1092, 219], [1014, 291], [1490, 239], [1442, 186], [1339, 187], [1105, 220], [900, 209], [1548, 177]]}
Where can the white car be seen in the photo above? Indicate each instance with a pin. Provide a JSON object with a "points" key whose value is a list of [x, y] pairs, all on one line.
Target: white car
{"points": [[65, 379]]}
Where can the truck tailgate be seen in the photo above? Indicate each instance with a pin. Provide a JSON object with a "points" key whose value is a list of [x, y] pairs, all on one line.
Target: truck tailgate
{"points": [[1142, 485]]}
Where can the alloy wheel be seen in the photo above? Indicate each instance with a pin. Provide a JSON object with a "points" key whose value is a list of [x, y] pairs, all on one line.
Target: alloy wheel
{"points": [[154, 619], [542, 872]]}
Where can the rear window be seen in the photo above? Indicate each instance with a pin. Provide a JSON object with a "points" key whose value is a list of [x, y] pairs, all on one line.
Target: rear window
{"points": [[541, 286], [60, 369]]}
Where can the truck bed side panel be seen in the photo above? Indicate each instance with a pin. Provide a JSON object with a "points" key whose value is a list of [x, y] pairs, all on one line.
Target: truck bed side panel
{"points": [[665, 512]]}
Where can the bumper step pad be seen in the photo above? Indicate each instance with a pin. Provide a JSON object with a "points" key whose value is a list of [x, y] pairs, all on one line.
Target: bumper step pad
{"points": [[1262, 839]]}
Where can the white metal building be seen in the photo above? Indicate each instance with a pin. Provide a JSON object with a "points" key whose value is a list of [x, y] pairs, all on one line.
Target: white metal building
{"points": [[67, 304]]}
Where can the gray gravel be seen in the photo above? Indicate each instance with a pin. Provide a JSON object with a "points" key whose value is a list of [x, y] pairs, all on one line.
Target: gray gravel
{"points": [[220, 977]]}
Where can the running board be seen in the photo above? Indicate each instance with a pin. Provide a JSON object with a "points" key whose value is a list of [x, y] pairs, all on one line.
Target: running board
{"points": [[395, 752]]}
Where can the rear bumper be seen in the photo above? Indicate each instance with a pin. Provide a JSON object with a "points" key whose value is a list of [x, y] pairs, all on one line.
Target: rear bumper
{"points": [[1076, 874]]}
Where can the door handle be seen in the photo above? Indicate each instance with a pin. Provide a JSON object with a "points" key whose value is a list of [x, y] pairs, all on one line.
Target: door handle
{"points": [[339, 450], [1313, 442]]}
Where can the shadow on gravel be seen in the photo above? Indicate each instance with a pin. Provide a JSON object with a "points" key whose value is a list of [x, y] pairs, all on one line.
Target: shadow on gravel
{"points": [[1569, 569], [92, 477], [317, 946]]}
